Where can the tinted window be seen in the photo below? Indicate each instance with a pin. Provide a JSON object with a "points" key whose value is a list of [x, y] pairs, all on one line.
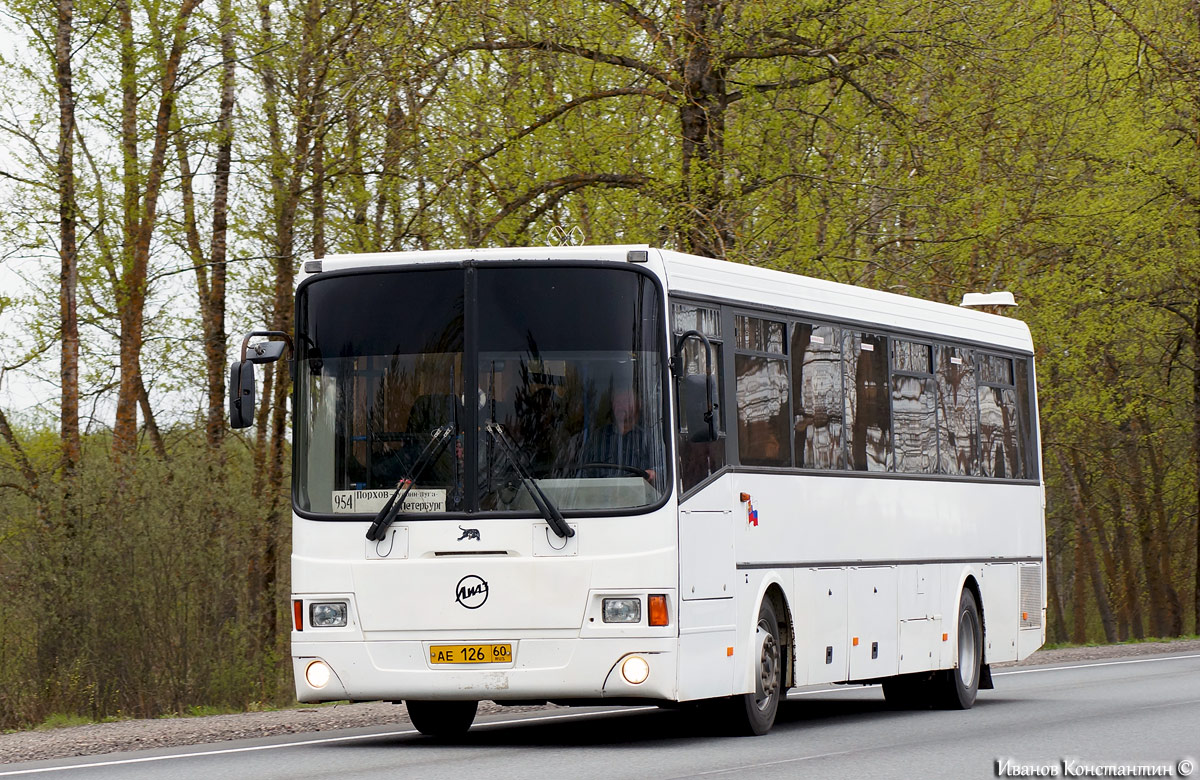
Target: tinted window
{"points": [[698, 461], [1027, 414], [999, 425], [375, 391], [914, 409], [958, 414], [817, 413], [762, 411], [999, 450], [755, 334], [865, 363], [570, 372]]}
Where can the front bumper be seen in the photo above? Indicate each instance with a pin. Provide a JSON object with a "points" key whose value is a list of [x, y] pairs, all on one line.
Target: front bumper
{"points": [[542, 668]]}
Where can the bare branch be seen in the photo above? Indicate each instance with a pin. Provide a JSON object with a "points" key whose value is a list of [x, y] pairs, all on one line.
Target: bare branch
{"points": [[645, 22], [577, 180], [519, 44]]}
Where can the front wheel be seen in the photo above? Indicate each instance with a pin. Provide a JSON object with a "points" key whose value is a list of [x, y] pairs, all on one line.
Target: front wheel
{"points": [[754, 713], [957, 687], [442, 718]]}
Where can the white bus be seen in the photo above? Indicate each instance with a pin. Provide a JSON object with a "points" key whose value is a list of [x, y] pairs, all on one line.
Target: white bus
{"points": [[623, 474]]}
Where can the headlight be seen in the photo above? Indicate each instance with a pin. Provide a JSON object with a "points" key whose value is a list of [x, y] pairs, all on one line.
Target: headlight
{"points": [[317, 674], [622, 610], [328, 614], [635, 670]]}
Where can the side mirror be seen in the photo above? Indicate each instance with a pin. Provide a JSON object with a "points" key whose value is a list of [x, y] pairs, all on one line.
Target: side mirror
{"points": [[265, 351], [241, 374], [698, 394], [241, 394], [698, 409]]}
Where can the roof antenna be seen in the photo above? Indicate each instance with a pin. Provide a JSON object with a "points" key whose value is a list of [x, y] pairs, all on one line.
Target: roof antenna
{"points": [[560, 236]]}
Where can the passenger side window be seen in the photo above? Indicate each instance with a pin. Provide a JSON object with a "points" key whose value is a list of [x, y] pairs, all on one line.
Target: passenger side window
{"points": [[817, 411], [763, 407], [697, 461], [958, 412], [868, 412], [1000, 452], [914, 408], [1027, 414]]}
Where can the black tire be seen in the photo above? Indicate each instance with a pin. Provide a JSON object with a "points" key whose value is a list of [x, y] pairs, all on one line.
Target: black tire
{"points": [[956, 688], [753, 714], [442, 718]]}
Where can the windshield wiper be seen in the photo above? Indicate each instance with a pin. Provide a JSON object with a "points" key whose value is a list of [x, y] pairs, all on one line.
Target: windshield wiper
{"points": [[387, 515], [549, 511]]}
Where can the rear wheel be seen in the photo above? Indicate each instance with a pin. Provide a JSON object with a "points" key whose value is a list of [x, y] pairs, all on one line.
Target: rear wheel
{"points": [[754, 713], [956, 688], [442, 718]]}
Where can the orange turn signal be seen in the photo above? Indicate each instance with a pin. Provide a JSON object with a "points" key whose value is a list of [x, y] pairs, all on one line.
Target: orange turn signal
{"points": [[298, 614], [658, 610], [856, 641]]}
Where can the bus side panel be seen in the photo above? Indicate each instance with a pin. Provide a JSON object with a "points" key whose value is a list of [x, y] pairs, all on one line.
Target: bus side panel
{"points": [[706, 635], [954, 582], [1001, 618], [920, 614], [821, 635], [707, 608], [872, 622]]}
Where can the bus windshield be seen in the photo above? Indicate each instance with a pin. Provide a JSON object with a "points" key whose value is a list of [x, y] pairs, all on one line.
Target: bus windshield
{"points": [[566, 364]]}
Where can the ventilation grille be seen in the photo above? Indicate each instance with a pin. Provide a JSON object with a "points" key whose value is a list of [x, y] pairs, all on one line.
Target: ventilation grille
{"points": [[1031, 595]]}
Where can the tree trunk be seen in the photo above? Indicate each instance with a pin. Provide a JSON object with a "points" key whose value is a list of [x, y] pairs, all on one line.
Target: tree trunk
{"points": [[156, 440], [1139, 505], [67, 248], [1057, 616], [128, 290], [1196, 435], [702, 125], [213, 305], [1080, 506], [140, 211], [1079, 585], [1162, 541]]}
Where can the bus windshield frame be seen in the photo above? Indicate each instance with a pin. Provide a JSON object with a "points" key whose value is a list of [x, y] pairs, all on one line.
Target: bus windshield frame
{"points": [[568, 359]]}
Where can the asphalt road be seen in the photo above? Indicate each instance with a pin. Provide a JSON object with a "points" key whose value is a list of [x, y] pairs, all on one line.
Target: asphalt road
{"points": [[1076, 720]]}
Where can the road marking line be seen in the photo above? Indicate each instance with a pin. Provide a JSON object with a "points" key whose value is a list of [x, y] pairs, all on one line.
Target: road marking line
{"points": [[744, 767], [540, 718], [302, 743], [1098, 663]]}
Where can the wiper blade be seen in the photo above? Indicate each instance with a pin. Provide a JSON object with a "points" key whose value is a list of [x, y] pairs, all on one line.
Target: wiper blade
{"points": [[549, 511], [387, 515]]}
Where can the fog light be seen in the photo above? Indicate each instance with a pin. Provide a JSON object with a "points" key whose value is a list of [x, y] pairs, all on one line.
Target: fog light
{"points": [[330, 614], [622, 610], [318, 674], [635, 670]]}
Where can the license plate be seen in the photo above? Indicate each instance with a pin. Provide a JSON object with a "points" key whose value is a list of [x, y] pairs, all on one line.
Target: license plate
{"points": [[471, 654]]}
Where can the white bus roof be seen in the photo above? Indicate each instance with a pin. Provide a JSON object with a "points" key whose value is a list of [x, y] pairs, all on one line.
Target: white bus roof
{"points": [[748, 285]]}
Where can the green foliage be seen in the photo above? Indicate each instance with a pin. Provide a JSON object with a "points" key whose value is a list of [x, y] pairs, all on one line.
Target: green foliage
{"points": [[127, 596]]}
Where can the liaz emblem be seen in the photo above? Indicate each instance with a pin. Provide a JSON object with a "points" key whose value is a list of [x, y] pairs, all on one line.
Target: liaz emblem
{"points": [[471, 592]]}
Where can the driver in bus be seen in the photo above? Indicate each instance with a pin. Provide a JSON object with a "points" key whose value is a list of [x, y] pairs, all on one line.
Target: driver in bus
{"points": [[624, 442]]}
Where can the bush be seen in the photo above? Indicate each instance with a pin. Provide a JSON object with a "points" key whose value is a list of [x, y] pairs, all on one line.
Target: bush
{"points": [[128, 590]]}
